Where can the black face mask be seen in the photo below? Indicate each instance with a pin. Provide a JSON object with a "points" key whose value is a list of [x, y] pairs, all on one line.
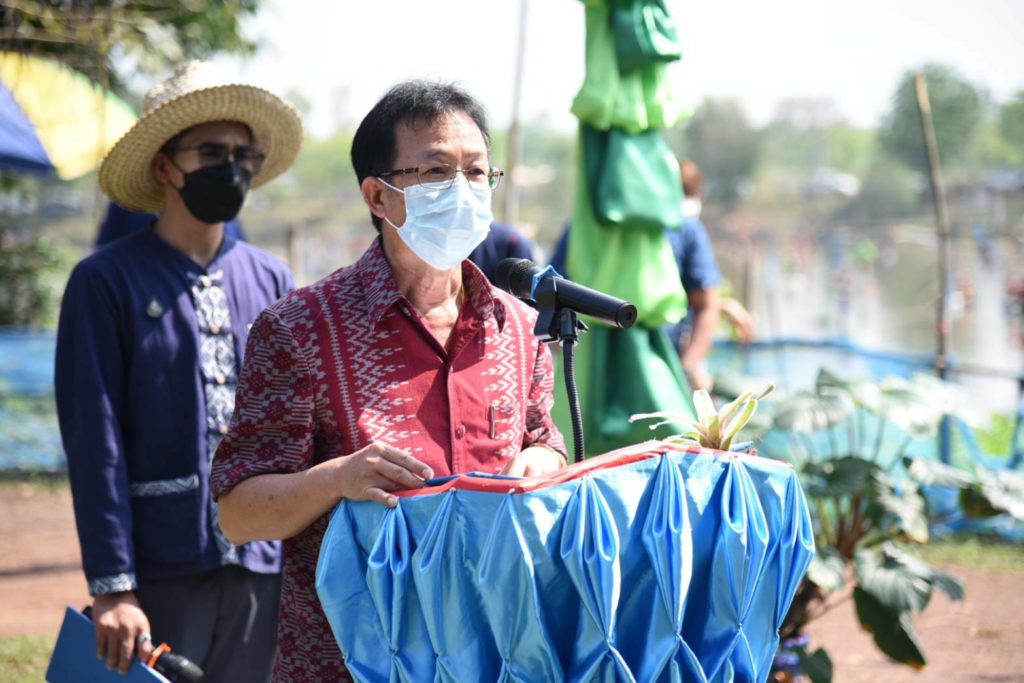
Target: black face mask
{"points": [[215, 194]]}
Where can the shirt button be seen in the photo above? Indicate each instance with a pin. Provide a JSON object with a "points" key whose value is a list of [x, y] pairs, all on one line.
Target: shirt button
{"points": [[215, 329], [223, 429], [460, 432], [221, 379], [205, 281]]}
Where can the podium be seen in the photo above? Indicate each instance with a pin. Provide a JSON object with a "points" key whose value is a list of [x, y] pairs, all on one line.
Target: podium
{"points": [[652, 563]]}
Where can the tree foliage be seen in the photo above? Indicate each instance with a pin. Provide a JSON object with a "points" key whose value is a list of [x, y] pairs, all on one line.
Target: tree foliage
{"points": [[723, 143], [957, 109], [108, 40], [1011, 123]]}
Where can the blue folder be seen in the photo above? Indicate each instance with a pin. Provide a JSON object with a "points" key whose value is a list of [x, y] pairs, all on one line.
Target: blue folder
{"points": [[74, 657]]}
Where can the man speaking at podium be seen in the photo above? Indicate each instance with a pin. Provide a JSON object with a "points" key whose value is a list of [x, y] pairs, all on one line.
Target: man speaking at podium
{"points": [[404, 366]]}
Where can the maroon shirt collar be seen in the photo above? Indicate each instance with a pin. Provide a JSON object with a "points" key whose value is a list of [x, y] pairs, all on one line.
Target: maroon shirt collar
{"points": [[381, 290]]}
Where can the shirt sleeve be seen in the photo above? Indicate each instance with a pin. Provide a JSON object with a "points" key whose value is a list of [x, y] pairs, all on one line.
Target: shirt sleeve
{"points": [[272, 429], [89, 378], [698, 267], [540, 427]]}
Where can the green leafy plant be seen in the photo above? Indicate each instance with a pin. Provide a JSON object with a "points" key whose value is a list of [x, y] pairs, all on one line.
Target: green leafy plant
{"points": [[869, 508], [714, 428]]}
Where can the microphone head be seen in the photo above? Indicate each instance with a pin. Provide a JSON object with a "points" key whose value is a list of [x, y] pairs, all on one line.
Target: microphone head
{"points": [[178, 668], [515, 276], [626, 315]]}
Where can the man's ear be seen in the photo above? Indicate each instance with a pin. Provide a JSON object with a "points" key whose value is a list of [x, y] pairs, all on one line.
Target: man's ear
{"points": [[160, 167], [373, 194]]}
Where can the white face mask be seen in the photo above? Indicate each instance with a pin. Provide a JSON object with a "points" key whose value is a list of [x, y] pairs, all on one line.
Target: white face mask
{"points": [[691, 207], [443, 225]]}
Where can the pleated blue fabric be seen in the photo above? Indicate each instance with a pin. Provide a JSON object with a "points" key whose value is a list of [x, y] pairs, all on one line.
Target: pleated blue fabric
{"points": [[654, 563]]}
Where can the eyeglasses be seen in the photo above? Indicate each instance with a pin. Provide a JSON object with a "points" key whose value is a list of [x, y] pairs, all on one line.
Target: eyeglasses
{"points": [[478, 176], [217, 153]]}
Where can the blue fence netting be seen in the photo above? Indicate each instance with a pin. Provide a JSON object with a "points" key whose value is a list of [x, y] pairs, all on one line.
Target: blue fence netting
{"points": [[30, 440], [793, 364]]}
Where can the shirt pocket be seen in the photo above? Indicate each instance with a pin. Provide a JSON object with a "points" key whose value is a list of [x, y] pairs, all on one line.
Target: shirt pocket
{"points": [[505, 427], [166, 518]]}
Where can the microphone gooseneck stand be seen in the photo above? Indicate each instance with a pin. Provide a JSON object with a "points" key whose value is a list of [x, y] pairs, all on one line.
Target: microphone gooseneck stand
{"points": [[557, 323], [558, 301]]}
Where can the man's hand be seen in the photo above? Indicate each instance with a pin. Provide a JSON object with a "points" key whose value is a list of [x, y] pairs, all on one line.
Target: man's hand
{"points": [[534, 462], [122, 629], [373, 472]]}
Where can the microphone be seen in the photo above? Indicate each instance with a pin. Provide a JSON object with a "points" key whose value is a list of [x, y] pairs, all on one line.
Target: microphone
{"points": [[176, 667], [521, 277]]}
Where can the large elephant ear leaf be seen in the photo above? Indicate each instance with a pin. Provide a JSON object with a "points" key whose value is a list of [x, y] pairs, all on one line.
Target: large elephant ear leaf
{"points": [[910, 407], [999, 492], [950, 585], [828, 380], [826, 571], [897, 580], [903, 506], [893, 632], [812, 412], [934, 473], [839, 477]]}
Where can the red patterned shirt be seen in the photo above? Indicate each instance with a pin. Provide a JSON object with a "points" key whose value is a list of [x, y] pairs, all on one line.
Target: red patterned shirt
{"points": [[332, 367]]}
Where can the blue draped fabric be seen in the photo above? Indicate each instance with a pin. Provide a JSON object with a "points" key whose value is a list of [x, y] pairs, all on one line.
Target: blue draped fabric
{"points": [[654, 563]]}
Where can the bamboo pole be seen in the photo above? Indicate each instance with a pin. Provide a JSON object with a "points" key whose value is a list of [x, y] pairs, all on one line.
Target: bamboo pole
{"points": [[945, 256], [942, 219], [510, 199]]}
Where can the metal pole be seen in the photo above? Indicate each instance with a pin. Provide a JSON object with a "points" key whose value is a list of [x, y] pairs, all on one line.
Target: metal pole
{"points": [[510, 207]]}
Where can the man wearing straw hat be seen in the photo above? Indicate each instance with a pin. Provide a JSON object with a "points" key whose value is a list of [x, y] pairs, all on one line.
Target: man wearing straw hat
{"points": [[403, 366], [151, 334]]}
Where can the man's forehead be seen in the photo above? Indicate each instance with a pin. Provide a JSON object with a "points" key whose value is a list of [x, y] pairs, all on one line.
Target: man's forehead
{"points": [[438, 136], [216, 129]]}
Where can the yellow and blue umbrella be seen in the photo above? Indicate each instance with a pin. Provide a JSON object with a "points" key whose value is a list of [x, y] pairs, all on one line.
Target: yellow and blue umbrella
{"points": [[55, 119]]}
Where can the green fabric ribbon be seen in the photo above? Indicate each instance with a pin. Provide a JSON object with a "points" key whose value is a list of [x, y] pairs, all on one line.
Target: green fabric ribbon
{"points": [[635, 101], [633, 179], [634, 264], [645, 34]]}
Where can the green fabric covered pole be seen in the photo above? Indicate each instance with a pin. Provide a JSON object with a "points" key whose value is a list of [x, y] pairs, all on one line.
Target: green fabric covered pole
{"points": [[628, 192]]}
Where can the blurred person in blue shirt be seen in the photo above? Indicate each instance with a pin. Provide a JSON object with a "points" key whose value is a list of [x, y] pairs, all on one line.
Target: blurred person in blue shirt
{"points": [[502, 242], [149, 346], [700, 276]]}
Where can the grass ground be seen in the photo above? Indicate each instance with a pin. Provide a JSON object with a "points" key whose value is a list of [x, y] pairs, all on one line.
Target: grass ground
{"points": [[23, 659]]}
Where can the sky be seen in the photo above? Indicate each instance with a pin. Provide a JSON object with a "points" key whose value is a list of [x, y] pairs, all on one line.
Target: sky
{"points": [[342, 55]]}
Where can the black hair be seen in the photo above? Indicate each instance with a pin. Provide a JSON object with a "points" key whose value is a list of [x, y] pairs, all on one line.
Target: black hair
{"points": [[374, 145]]}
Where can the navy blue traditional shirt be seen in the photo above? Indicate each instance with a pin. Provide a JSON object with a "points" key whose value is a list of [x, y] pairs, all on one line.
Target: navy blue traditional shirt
{"points": [[148, 352]]}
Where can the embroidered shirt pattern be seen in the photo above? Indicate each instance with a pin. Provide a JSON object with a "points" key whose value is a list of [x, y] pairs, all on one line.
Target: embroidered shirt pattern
{"points": [[345, 362]]}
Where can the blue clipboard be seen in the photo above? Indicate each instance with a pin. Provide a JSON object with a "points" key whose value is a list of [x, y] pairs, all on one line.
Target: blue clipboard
{"points": [[74, 657]]}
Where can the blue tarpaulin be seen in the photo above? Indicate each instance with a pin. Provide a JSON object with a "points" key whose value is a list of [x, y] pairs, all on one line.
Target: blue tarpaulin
{"points": [[20, 148], [654, 563]]}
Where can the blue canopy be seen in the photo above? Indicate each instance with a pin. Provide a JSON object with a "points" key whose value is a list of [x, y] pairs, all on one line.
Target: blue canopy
{"points": [[20, 148]]}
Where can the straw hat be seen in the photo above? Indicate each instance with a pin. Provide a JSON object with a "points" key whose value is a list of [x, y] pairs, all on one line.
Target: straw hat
{"points": [[196, 93]]}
